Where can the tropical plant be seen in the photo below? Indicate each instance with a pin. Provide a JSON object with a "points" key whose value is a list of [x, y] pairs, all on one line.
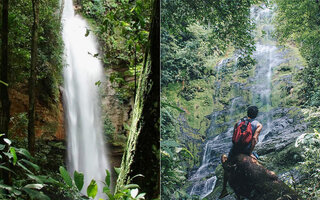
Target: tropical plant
{"points": [[174, 157], [128, 192], [26, 183], [310, 167]]}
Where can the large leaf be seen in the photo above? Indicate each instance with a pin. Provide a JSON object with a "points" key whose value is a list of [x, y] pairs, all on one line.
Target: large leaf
{"points": [[78, 179], [34, 194], [6, 187], [6, 168], [24, 152], [2, 146], [36, 167], [24, 167], [92, 189], [65, 175], [35, 177]]}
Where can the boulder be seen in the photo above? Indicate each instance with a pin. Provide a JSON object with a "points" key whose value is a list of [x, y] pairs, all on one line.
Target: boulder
{"points": [[248, 178]]}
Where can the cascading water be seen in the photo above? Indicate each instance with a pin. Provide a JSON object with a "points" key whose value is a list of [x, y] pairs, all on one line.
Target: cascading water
{"points": [[86, 148], [268, 56]]}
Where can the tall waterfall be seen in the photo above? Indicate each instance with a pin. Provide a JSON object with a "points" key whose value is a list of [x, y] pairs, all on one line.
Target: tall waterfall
{"points": [[268, 56], [86, 148]]}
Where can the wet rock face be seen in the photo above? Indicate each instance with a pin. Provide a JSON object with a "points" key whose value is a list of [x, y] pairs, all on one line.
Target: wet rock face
{"points": [[283, 130]]}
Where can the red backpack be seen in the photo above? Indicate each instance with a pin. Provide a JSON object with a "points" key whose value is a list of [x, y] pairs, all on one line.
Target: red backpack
{"points": [[242, 134]]}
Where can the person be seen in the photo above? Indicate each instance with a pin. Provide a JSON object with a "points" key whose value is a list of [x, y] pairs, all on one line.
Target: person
{"points": [[256, 126]]}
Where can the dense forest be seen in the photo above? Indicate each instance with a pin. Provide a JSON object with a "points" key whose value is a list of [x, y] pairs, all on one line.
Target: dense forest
{"points": [[39, 48], [219, 57]]}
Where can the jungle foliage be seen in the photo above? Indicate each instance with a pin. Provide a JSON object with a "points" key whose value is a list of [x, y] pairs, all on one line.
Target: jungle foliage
{"points": [[191, 31], [298, 22], [122, 28], [50, 49]]}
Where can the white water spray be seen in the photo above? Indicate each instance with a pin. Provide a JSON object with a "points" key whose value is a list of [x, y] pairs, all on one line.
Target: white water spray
{"points": [[86, 148]]}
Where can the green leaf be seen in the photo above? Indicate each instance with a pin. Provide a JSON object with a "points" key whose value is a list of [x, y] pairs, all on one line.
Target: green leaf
{"points": [[117, 169], [107, 179], [34, 194], [17, 192], [6, 187], [107, 191], [5, 168], [141, 196], [130, 186], [78, 179], [24, 167], [2, 146], [36, 178], [36, 167], [92, 189], [24, 152], [98, 83], [65, 175], [14, 155]]}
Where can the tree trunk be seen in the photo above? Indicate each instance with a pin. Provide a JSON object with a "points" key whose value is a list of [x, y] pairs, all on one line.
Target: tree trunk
{"points": [[4, 96], [32, 79], [142, 152], [250, 179]]}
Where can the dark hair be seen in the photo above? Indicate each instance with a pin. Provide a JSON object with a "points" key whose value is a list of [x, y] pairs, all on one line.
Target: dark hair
{"points": [[252, 111]]}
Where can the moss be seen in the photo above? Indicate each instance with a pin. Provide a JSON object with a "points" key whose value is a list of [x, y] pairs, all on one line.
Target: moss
{"points": [[197, 107]]}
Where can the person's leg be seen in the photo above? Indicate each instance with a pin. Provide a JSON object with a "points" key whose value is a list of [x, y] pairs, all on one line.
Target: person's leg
{"points": [[224, 191]]}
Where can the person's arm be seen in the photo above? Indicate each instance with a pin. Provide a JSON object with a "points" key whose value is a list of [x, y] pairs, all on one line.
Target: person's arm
{"points": [[256, 136]]}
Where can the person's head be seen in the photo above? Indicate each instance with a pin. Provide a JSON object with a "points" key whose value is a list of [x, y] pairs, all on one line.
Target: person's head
{"points": [[252, 112]]}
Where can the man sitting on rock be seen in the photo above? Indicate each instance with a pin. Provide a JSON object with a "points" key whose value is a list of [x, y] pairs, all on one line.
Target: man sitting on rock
{"points": [[245, 138]]}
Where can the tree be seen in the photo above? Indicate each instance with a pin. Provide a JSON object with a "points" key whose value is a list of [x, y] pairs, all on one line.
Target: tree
{"points": [[142, 153], [4, 96], [32, 79]]}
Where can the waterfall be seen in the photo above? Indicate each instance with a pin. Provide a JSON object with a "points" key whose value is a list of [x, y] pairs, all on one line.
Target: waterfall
{"points": [[268, 56], [86, 147]]}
